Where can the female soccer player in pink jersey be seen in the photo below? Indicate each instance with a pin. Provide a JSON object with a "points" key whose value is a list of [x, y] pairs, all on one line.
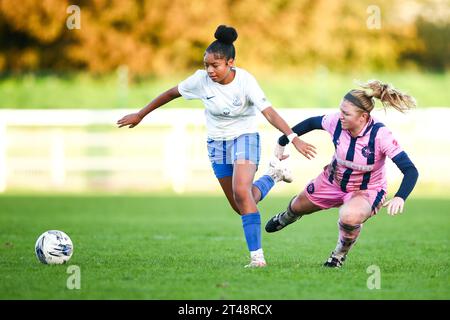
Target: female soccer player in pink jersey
{"points": [[232, 98], [355, 180]]}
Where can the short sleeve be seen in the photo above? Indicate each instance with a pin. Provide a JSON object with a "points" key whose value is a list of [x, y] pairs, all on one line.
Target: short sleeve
{"points": [[388, 144], [256, 95], [191, 88], [329, 122]]}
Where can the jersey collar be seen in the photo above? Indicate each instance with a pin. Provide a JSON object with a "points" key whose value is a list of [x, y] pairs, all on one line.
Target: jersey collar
{"points": [[366, 128]]}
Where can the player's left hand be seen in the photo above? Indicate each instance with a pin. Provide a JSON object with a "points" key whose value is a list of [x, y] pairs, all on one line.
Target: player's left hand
{"points": [[279, 152], [306, 149], [394, 206]]}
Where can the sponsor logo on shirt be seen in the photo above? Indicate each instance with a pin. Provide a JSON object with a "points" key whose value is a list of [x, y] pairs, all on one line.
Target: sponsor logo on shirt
{"points": [[226, 112], [354, 166]]}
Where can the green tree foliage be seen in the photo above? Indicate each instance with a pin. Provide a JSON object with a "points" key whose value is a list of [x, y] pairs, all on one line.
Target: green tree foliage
{"points": [[159, 36]]}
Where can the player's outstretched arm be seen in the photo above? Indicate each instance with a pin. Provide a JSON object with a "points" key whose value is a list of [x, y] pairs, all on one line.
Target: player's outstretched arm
{"points": [[133, 119], [300, 129], [410, 176], [278, 122]]}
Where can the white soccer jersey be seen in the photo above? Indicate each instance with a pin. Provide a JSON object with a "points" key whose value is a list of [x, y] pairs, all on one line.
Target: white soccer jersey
{"points": [[230, 109]]}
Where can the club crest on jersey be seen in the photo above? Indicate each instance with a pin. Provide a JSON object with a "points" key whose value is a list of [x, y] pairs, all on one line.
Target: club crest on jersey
{"points": [[310, 188], [366, 151], [237, 101]]}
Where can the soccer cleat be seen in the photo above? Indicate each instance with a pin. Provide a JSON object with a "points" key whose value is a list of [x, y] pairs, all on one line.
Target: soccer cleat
{"points": [[279, 172], [274, 224], [257, 260], [334, 261]]}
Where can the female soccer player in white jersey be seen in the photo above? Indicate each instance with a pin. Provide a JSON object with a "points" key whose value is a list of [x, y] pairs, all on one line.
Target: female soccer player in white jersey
{"points": [[232, 97], [355, 180]]}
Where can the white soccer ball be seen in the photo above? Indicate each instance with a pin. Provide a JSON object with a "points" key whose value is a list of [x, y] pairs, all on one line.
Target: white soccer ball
{"points": [[54, 247]]}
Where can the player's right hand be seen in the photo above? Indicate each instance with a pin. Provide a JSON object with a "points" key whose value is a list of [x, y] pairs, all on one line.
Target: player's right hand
{"points": [[131, 120]]}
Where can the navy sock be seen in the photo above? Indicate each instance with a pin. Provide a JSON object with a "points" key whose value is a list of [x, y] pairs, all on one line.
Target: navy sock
{"points": [[252, 230], [264, 184]]}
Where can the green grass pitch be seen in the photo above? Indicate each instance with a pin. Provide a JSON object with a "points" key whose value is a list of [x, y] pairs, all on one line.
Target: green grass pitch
{"points": [[192, 247]]}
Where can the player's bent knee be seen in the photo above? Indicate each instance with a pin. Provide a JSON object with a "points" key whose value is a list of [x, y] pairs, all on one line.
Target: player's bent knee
{"points": [[242, 195], [351, 217]]}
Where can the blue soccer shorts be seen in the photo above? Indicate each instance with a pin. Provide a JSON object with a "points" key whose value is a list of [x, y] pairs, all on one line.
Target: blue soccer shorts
{"points": [[223, 153]]}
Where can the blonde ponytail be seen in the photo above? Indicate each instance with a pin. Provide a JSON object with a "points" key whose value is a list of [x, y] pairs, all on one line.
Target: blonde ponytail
{"points": [[388, 95]]}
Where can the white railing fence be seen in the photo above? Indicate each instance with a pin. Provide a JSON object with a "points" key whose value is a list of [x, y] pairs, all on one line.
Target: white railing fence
{"points": [[83, 150]]}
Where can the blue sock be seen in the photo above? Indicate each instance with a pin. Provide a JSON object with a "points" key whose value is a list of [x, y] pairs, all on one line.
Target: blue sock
{"points": [[264, 184], [252, 230]]}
